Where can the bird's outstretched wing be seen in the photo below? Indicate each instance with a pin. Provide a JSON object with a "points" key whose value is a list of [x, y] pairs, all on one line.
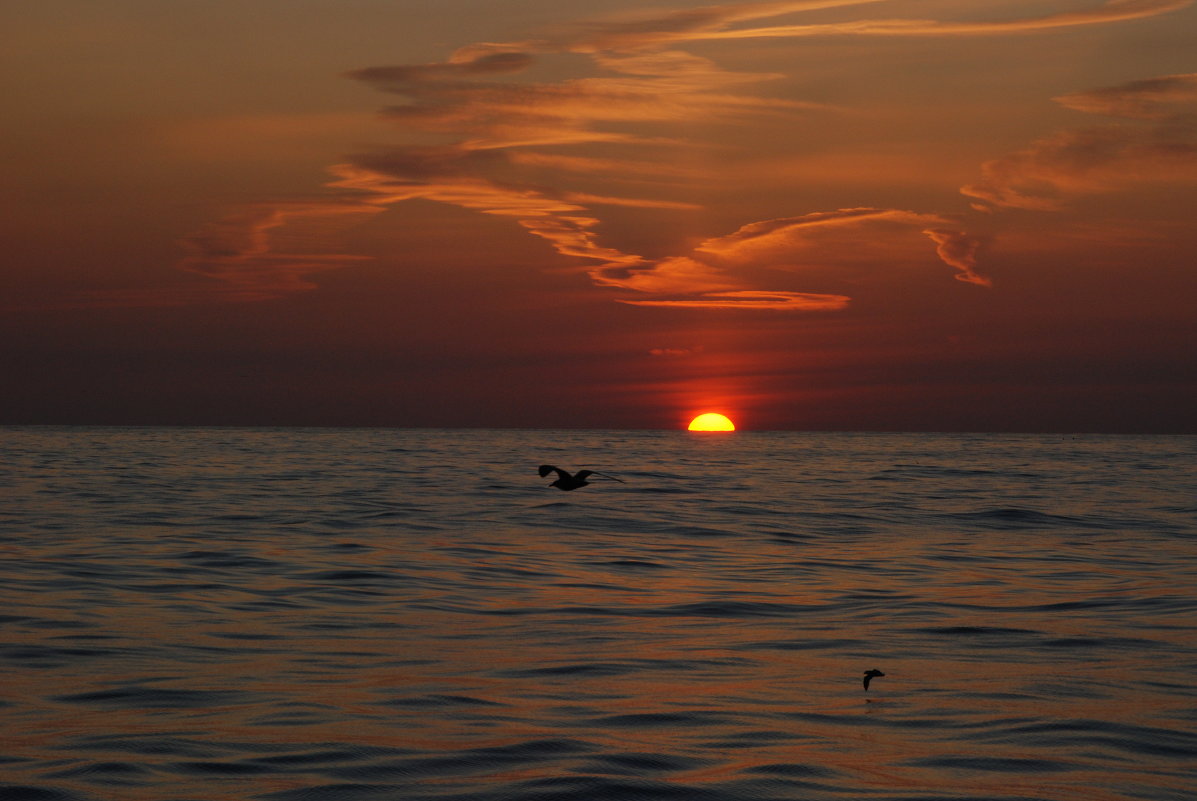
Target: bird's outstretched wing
{"points": [[582, 474], [545, 469]]}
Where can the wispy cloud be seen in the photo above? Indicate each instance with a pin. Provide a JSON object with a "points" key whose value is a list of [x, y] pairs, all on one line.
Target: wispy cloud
{"points": [[790, 245], [255, 253], [505, 132], [955, 248], [1111, 11], [1161, 98], [960, 250], [246, 252], [753, 299], [619, 169], [657, 87], [676, 353], [1158, 143]]}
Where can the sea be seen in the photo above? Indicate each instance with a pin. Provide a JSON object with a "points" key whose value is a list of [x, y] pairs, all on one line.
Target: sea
{"points": [[202, 614]]}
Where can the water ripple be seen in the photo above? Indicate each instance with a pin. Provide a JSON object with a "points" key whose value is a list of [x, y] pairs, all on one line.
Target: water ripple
{"points": [[322, 615]]}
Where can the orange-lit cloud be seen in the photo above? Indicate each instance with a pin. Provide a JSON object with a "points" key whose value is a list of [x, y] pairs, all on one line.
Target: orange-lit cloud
{"points": [[657, 87], [708, 273], [642, 203], [959, 250], [1150, 99], [753, 299], [1110, 11], [259, 252], [676, 352], [652, 29], [622, 169], [555, 219], [715, 22], [247, 254], [1159, 143], [788, 231], [503, 128]]}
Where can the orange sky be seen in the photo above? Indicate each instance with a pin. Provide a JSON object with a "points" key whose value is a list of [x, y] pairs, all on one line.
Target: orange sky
{"points": [[820, 214]]}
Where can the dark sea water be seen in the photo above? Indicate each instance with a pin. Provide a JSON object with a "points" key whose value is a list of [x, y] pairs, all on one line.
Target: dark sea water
{"points": [[351, 615]]}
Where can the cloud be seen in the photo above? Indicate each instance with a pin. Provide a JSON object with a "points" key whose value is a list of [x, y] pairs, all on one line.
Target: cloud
{"points": [[249, 249], [753, 299], [787, 231], [642, 203], [778, 239], [1158, 144], [255, 253], [1110, 11], [676, 353], [787, 244], [407, 78], [498, 127], [641, 30], [959, 249], [658, 87], [670, 275], [1150, 99], [621, 169], [553, 218]]}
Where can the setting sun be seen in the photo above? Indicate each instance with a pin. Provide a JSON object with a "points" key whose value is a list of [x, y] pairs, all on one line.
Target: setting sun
{"points": [[711, 421]]}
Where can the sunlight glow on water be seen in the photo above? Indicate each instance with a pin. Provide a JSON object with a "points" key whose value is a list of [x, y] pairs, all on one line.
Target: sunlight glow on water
{"points": [[381, 614]]}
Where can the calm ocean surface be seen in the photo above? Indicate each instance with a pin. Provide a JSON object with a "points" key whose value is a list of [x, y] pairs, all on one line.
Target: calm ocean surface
{"points": [[351, 615]]}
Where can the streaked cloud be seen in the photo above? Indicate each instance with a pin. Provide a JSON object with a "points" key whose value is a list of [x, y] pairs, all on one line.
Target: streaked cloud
{"points": [[792, 244], [248, 252], [1151, 99], [619, 169], [658, 87], [960, 250], [787, 230], [500, 131], [1110, 11], [1156, 143], [255, 253], [955, 248], [643, 203], [753, 299], [676, 353]]}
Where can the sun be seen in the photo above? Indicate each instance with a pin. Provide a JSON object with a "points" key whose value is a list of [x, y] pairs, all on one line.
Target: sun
{"points": [[711, 421]]}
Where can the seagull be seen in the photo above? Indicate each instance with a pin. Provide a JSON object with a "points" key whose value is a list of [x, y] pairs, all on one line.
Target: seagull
{"points": [[565, 482], [869, 675]]}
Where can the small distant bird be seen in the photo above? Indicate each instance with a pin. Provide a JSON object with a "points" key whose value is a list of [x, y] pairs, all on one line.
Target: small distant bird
{"points": [[565, 482], [869, 675]]}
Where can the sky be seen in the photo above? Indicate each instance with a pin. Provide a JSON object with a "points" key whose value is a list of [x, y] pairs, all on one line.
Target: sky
{"points": [[896, 215]]}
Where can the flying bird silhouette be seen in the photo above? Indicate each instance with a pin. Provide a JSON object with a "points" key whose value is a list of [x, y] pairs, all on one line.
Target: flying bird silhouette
{"points": [[869, 675], [565, 482]]}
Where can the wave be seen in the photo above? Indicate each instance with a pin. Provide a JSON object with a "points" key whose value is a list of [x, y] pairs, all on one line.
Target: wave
{"points": [[337, 616]]}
